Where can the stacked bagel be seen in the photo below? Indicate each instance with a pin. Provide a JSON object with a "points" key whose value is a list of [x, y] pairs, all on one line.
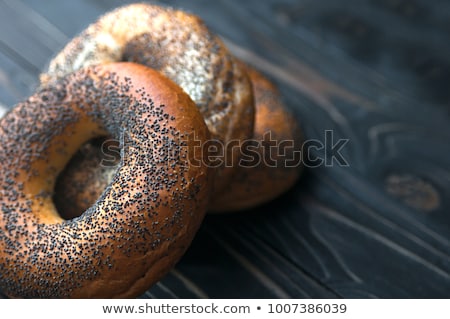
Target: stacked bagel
{"points": [[158, 82]]}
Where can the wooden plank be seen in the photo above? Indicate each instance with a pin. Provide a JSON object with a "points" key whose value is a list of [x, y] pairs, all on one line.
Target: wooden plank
{"points": [[15, 82]]}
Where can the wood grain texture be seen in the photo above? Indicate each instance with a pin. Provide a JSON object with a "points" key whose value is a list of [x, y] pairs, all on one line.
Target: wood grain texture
{"points": [[376, 73]]}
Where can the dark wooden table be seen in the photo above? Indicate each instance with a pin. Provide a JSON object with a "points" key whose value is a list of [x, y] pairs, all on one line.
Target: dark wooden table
{"points": [[375, 72]]}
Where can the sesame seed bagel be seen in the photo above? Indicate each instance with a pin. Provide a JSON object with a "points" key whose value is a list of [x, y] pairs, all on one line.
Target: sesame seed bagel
{"points": [[143, 221], [180, 46]]}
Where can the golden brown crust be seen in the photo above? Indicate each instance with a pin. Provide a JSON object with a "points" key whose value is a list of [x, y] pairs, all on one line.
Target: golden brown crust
{"points": [[252, 184], [266, 173], [182, 48], [220, 88], [144, 220]]}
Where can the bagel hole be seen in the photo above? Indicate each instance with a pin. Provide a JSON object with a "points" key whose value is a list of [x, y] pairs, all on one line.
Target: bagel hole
{"points": [[141, 49], [86, 176]]}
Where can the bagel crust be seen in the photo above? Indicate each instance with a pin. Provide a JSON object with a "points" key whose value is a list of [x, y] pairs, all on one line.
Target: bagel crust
{"points": [[146, 217], [238, 104], [253, 183], [180, 46], [278, 168]]}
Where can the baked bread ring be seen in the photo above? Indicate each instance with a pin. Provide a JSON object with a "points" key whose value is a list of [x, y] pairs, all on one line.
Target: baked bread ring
{"points": [[144, 220], [181, 47], [271, 161], [160, 37], [262, 177]]}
